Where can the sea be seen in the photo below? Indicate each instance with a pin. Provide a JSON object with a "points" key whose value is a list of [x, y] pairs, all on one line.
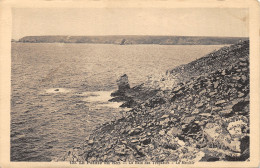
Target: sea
{"points": [[60, 92]]}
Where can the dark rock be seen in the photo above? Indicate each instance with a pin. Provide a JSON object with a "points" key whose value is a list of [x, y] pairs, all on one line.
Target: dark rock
{"points": [[209, 159], [176, 96], [244, 144], [129, 103], [156, 101], [123, 87], [243, 157], [191, 128], [123, 83], [146, 141], [240, 106]]}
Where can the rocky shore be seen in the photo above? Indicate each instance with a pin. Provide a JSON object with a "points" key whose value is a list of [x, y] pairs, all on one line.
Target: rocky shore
{"points": [[195, 112]]}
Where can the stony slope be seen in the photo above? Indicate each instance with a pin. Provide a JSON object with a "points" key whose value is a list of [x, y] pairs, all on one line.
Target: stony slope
{"points": [[203, 115]]}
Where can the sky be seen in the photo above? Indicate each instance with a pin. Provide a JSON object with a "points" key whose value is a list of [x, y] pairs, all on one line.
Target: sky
{"points": [[130, 21]]}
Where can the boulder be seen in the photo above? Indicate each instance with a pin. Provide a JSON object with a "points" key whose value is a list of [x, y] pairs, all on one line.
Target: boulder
{"points": [[235, 128], [165, 116], [187, 120], [216, 84], [240, 94], [199, 105], [134, 132], [174, 131], [162, 132], [219, 137], [226, 112], [244, 69], [239, 106], [243, 59], [91, 142], [146, 141], [220, 102], [196, 111], [134, 141], [164, 121]]}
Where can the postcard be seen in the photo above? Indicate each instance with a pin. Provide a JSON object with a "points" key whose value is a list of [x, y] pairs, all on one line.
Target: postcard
{"points": [[129, 83]]}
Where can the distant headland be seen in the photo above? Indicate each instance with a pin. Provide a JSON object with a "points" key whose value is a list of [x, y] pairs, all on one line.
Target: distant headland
{"points": [[134, 39]]}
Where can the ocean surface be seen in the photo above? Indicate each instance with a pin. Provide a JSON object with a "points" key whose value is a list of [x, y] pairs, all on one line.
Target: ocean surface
{"points": [[60, 92]]}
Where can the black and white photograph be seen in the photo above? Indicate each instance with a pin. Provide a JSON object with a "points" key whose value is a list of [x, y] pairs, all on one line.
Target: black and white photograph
{"points": [[130, 86]]}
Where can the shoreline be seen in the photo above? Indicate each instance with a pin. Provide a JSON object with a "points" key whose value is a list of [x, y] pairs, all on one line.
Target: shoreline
{"points": [[195, 119]]}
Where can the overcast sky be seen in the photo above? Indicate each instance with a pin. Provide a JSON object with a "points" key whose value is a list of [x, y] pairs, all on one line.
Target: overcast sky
{"points": [[130, 21]]}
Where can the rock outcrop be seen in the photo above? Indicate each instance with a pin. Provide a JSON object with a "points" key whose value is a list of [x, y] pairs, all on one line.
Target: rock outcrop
{"points": [[123, 88], [123, 84], [201, 118]]}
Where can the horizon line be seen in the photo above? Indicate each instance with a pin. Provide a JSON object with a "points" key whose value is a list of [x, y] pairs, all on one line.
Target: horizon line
{"points": [[136, 35]]}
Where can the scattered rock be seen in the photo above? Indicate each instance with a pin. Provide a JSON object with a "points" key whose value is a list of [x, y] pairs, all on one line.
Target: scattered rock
{"points": [[240, 94], [215, 84], [134, 141], [220, 102], [146, 141], [174, 131], [196, 111], [203, 115], [91, 142], [162, 132], [134, 132], [235, 128], [187, 120], [199, 105], [225, 112], [243, 59], [165, 116], [239, 106]]}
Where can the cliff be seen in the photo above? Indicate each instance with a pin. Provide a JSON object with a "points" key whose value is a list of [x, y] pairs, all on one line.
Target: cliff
{"points": [[123, 40], [201, 115]]}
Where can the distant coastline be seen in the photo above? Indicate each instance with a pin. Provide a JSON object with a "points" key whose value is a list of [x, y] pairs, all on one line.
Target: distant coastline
{"points": [[133, 39]]}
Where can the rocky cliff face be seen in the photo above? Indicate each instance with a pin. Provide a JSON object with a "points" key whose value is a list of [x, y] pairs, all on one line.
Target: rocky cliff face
{"points": [[198, 118]]}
